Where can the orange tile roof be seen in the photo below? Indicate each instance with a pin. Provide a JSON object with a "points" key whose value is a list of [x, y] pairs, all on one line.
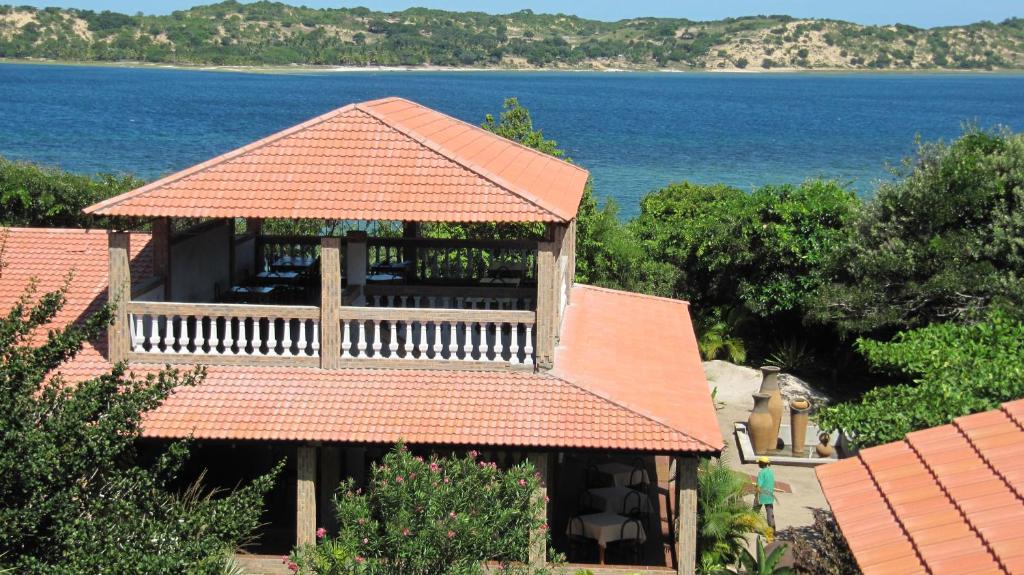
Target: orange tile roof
{"points": [[641, 352], [48, 255], [945, 500], [388, 159], [574, 408]]}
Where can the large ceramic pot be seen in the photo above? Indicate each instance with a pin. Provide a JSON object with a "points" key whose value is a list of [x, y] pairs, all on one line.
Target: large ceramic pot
{"points": [[823, 449], [759, 425], [799, 409], [770, 385]]}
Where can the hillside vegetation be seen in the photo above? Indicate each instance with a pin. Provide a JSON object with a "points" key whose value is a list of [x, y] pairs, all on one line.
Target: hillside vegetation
{"points": [[270, 33]]}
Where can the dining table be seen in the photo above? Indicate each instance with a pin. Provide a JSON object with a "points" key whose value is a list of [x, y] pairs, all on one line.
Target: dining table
{"points": [[614, 499], [623, 475], [608, 527]]}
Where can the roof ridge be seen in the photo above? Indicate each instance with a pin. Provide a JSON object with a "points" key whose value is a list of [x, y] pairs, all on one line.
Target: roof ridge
{"points": [[892, 512], [953, 500], [629, 409], [636, 295], [217, 160], [451, 156]]}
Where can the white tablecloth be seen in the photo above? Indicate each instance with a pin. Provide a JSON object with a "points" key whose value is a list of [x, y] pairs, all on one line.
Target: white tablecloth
{"points": [[621, 473], [611, 499], [607, 527]]}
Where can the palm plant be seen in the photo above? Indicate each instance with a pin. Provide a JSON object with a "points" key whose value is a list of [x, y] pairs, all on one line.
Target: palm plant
{"points": [[764, 563], [717, 337], [723, 517]]}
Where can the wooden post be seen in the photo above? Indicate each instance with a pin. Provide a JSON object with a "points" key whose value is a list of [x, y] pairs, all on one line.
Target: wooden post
{"points": [[686, 482], [330, 478], [330, 303], [119, 294], [538, 538], [546, 305], [305, 495]]}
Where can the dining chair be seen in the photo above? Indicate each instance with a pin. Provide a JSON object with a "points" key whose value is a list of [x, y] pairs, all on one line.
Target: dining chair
{"points": [[579, 543], [630, 545]]}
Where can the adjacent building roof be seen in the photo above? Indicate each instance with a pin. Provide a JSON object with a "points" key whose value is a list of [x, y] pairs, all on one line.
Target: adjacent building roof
{"points": [[388, 159], [590, 402], [945, 500]]}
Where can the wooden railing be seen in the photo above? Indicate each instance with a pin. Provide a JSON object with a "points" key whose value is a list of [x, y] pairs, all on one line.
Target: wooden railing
{"points": [[392, 336], [455, 297], [463, 260], [224, 333], [272, 248]]}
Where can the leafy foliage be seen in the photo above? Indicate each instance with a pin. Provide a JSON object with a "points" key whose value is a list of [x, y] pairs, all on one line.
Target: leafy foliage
{"points": [[945, 243], [957, 370], [75, 497], [724, 519], [762, 563], [437, 515], [35, 196]]}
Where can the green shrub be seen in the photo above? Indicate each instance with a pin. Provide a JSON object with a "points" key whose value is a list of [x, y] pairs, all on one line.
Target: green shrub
{"points": [[438, 515]]}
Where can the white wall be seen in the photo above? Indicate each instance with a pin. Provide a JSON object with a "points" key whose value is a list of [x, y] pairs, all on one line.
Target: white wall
{"points": [[199, 261]]}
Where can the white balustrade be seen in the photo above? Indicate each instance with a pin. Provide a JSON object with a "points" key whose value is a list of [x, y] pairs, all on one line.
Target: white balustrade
{"points": [[211, 330], [500, 337]]}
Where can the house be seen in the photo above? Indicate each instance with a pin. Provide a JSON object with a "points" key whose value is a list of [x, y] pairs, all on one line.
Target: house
{"points": [[949, 499], [326, 348]]}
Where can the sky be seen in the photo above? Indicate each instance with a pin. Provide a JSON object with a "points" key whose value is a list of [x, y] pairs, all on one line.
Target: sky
{"points": [[923, 13]]}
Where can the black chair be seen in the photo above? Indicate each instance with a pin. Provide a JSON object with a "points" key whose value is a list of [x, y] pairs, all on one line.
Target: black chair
{"points": [[592, 477], [579, 543], [630, 546], [635, 506], [585, 504], [638, 478]]}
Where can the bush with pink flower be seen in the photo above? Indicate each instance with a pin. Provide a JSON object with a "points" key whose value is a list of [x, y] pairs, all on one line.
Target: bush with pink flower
{"points": [[446, 515]]}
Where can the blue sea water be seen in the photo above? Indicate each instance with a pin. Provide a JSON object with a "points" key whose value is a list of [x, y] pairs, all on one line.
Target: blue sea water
{"points": [[635, 132]]}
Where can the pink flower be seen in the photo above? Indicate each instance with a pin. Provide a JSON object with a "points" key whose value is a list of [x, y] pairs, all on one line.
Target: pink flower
{"points": [[522, 483], [412, 476], [544, 527], [294, 567], [399, 479], [405, 531], [284, 559], [547, 499], [451, 534], [359, 491], [452, 515], [359, 559], [365, 540], [474, 453], [361, 521], [418, 458], [435, 467], [321, 533], [446, 480]]}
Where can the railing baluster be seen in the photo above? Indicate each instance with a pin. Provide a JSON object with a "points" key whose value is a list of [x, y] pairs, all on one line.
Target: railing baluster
{"points": [[301, 344], [286, 340], [137, 332], [514, 348], [167, 339], [228, 342], [407, 347], [393, 341], [528, 347], [421, 327], [243, 342], [361, 340], [182, 334], [271, 335], [499, 340], [486, 347], [376, 346], [438, 344], [214, 342], [315, 343], [451, 328], [346, 340]]}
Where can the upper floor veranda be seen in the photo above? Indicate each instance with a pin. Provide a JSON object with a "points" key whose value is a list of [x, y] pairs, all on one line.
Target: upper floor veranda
{"points": [[229, 287]]}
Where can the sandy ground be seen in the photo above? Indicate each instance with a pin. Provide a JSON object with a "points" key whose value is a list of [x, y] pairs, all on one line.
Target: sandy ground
{"points": [[735, 385]]}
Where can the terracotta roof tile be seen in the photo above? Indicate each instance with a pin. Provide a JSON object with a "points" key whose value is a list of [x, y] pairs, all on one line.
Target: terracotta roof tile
{"points": [[655, 369], [951, 493], [388, 159]]}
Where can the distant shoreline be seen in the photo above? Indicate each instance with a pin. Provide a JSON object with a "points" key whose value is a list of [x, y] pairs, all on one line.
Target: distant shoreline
{"points": [[325, 69]]}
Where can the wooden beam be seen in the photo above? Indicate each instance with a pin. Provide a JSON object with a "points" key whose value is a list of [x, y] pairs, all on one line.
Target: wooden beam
{"points": [[119, 294], [305, 495], [539, 537], [686, 482], [546, 304], [330, 304]]}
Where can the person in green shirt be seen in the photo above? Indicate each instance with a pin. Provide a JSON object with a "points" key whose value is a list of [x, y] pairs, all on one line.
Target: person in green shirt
{"points": [[765, 496]]}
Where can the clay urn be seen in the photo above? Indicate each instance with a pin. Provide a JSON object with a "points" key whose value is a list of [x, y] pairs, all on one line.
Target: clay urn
{"points": [[799, 409], [770, 385], [823, 449], [759, 425]]}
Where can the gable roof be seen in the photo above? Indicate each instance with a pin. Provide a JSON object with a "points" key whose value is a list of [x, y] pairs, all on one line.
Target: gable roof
{"points": [[387, 159], [640, 352], [945, 500]]}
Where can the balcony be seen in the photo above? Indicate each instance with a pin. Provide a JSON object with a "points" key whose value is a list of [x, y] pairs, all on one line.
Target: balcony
{"points": [[345, 302]]}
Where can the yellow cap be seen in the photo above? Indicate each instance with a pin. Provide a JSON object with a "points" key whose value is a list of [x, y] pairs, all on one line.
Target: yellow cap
{"points": [[763, 460]]}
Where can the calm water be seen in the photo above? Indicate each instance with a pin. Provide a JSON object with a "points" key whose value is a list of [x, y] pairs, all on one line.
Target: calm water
{"points": [[634, 132]]}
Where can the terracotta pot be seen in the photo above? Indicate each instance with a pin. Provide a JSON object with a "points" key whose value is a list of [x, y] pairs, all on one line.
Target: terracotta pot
{"points": [[770, 385], [823, 449], [799, 409], [759, 425]]}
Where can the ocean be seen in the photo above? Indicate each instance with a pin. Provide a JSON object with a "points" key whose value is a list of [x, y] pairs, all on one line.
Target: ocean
{"points": [[635, 132]]}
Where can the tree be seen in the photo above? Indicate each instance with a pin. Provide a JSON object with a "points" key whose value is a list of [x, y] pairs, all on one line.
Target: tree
{"points": [[75, 496], [34, 196], [955, 369], [945, 243], [444, 515]]}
